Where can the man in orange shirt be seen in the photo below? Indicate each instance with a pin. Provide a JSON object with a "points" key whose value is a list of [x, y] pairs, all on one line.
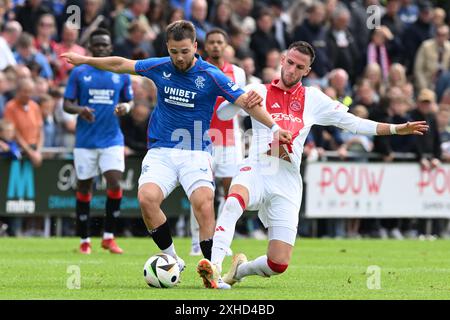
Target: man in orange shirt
{"points": [[27, 118]]}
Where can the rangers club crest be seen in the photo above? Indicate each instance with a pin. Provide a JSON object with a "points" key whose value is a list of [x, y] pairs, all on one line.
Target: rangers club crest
{"points": [[200, 82], [115, 78]]}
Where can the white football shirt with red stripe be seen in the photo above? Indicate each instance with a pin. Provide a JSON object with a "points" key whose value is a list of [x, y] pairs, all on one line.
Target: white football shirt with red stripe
{"points": [[226, 133], [296, 110]]}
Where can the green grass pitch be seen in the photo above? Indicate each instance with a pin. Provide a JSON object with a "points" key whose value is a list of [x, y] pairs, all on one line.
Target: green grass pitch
{"points": [[36, 268]]}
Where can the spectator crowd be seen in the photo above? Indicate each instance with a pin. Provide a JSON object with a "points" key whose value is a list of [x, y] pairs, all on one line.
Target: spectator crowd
{"points": [[387, 60]]}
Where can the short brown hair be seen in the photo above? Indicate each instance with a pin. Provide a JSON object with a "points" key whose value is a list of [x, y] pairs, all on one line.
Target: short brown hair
{"points": [[219, 31], [305, 48], [180, 30]]}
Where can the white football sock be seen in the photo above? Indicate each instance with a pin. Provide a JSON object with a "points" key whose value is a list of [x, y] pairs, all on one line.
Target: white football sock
{"points": [[108, 235], [223, 236], [259, 267], [171, 251], [195, 229], [88, 240]]}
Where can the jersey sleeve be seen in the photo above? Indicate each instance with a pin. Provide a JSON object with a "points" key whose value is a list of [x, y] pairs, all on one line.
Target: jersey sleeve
{"points": [[328, 112], [71, 91], [144, 67], [224, 86], [239, 76], [333, 113], [126, 94]]}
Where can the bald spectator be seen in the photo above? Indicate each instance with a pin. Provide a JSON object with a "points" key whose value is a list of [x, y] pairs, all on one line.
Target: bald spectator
{"points": [[339, 81], [432, 59], [26, 116], [438, 18], [27, 55], [199, 13], [67, 44], [8, 39]]}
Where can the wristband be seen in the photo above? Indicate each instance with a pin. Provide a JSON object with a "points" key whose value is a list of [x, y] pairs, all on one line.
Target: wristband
{"points": [[127, 107], [393, 129], [275, 128]]}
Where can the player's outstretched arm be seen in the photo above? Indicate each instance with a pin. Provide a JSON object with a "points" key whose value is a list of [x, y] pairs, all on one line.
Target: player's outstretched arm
{"points": [[416, 128], [113, 64]]}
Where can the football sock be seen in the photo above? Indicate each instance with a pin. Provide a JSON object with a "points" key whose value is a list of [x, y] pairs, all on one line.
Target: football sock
{"points": [[114, 197], [82, 209], [195, 233], [108, 235], [163, 239], [226, 223], [206, 246], [261, 266]]}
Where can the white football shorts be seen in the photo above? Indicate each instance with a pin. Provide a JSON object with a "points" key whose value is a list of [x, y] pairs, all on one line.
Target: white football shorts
{"points": [[168, 167], [276, 194], [90, 162], [226, 160]]}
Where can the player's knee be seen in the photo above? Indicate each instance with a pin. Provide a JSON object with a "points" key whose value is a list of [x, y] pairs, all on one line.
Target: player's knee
{"points": [[204, 211], [277, 267], [148, 199]]}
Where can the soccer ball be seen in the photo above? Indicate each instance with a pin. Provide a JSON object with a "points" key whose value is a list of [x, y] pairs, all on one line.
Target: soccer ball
{"points": [[161, 271]]}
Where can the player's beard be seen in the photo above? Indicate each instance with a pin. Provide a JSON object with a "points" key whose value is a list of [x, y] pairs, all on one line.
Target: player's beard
{"points": [[188, 66], [286, 81]]}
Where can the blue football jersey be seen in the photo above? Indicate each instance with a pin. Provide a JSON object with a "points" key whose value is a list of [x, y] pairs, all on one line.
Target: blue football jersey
{"points": [[101, 91], [185, 105]]}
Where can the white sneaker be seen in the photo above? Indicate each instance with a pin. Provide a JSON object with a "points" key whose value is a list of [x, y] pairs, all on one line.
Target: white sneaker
{"points": [[222, 285], [195, 250], [230, 277], [181, 264]]}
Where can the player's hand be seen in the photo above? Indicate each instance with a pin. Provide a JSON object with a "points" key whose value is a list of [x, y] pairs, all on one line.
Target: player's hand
{"points": [[284, 136], [122, 109], [253, 99], [416, 127], [74, 58], [87, 114]]}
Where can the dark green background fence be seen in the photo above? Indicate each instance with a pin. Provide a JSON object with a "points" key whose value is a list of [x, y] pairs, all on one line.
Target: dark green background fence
{"points": [[50, 190]]}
